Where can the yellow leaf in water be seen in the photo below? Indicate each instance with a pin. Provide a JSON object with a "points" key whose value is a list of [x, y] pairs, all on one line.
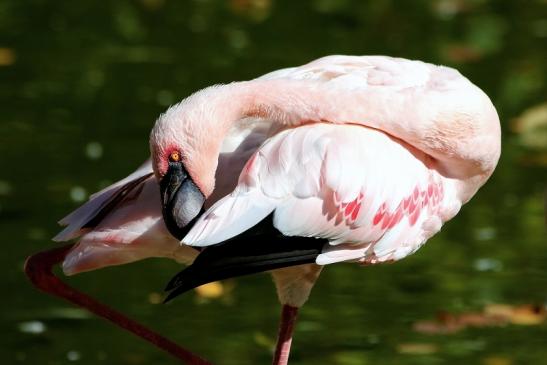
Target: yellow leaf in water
{"points": [[211, 290], [531, 126], [416, 348], [262, 340], [497, 360], [461, 53], [499, 310], [7, 56], [155, 298], [153, 4], [257, 10], [349, 358], [528, 315]]}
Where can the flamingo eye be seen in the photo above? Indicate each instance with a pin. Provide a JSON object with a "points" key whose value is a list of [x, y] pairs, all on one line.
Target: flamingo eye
{"points": [[174, 156]]}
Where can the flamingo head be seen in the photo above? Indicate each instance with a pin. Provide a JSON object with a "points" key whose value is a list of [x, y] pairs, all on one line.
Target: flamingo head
{"points": [[185, 154]]}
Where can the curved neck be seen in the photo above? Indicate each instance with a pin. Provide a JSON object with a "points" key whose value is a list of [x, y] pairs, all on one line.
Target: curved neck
{"points": [[448, 118], [453, 121]]}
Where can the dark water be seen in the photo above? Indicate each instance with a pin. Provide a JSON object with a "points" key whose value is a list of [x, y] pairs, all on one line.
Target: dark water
{"points": [[81, 85]]}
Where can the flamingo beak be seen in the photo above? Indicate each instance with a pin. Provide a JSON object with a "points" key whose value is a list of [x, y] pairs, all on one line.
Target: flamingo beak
{"points": [[182, 201]]}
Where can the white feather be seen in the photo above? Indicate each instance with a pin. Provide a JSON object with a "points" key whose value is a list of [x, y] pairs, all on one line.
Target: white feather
{"points": [[229, 217], [79, 217]]}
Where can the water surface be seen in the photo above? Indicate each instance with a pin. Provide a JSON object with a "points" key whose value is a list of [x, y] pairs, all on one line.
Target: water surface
{"points": [[82, 83]]}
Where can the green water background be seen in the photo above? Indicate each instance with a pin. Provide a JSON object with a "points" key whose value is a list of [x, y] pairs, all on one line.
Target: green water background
{"points": [[81, 83]]}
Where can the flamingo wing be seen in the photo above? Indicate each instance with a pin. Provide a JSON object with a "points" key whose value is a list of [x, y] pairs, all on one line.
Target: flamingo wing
{"points": [[131, 229], [373, 197], [99, 204], [320, 193]]}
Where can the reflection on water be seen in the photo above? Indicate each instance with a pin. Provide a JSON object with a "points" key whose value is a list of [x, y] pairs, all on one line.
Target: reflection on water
{"points": [[82, 83]]}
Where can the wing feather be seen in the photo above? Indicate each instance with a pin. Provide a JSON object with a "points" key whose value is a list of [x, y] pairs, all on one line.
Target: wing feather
{"points": [[229, 217], [364, 191], [76, 221]]}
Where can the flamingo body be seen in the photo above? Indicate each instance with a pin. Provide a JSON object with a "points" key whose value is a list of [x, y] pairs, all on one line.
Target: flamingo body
{"points": [[373, 197], [371, 154], [345, 159], [367, 157]]}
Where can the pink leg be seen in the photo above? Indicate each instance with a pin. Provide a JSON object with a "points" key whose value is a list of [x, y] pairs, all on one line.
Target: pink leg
{"points": [[38, 268], [284, 338]]}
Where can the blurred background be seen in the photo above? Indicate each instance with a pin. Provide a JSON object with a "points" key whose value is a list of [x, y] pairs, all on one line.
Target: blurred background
{"points": [[81, 85]]}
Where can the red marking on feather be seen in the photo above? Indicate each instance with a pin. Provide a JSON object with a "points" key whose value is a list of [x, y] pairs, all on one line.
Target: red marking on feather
{"points": [[396, 218], [355, 212], [350, 207], [435, 194], [423, 196], [413, 218], [406, 203], [411, 206], [385, 221], [379, 214], [349, 210]]}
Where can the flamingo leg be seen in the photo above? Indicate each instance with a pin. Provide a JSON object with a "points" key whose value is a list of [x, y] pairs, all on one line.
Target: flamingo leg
{"points": [[38, 268], [284, 337]]}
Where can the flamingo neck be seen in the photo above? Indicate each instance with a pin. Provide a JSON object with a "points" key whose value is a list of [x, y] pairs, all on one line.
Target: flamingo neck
{"points": [[449, 119]]}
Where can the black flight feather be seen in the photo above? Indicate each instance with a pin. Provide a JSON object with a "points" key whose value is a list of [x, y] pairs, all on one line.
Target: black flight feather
{"points": [[261, 248]]}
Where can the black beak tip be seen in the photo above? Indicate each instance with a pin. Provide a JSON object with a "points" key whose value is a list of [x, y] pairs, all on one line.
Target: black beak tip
{"points": [[182, 201], [176, 291], [172, 284], [169, 297]]}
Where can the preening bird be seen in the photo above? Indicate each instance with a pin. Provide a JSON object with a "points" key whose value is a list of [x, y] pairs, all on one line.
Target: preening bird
{"points": [[123, 223], [358, 159], [366, 158]]}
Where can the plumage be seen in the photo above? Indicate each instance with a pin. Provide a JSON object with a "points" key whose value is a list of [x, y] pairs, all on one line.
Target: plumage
{"points": [[347, 159], [80, 217], [345, 183], [370, 154]]}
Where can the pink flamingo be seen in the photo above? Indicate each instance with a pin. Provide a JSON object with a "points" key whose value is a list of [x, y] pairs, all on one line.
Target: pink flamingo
{"points": [[366, 158]]}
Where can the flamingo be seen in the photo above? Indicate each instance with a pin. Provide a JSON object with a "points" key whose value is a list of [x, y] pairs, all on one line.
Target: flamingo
{"points": [[360, 159], [366, 158]]}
